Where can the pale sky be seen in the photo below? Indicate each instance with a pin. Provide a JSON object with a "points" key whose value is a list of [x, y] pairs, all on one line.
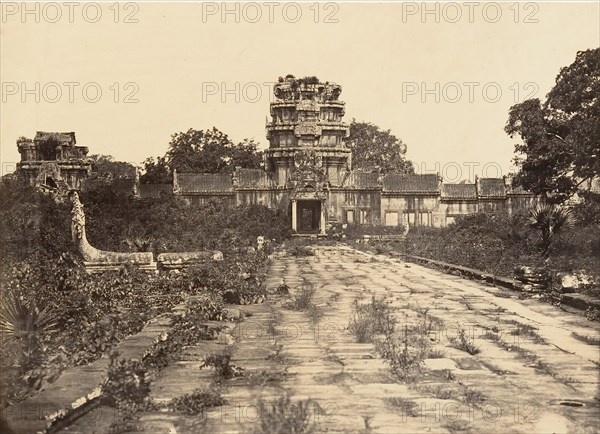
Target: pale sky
{"points": [[392, 60]]}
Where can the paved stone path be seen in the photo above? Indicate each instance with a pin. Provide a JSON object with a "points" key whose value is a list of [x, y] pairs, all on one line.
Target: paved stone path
{"points": [[542, 382]]}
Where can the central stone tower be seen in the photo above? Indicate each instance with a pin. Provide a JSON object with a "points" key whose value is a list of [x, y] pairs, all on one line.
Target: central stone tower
{"points": [[307, 150]]}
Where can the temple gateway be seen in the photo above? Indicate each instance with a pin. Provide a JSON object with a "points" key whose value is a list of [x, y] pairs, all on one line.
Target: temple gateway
{"points": [[308, 173]]}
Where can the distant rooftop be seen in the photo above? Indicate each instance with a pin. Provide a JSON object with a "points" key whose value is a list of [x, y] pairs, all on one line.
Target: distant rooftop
{"points": [[411, 184], [43, 136], [459, 191], [492, 188]]}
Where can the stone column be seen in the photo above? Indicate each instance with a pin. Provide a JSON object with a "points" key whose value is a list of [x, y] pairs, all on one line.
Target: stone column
{"points": [[294, 220], [323, 211]]}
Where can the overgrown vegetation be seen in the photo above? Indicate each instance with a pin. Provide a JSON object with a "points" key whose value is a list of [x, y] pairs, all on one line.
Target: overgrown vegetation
{"points": [[54, 315], [592, 340], [285, 416], [496, 243], [197, 402], [371, 319], [464, 342], [302, 299], [126, 385], [223, 369], [405, 349]]}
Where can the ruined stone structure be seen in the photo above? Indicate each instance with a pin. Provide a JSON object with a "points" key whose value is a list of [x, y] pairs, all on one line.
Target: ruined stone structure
{"points": [[96, 260], [53, 161], [308, 173]]}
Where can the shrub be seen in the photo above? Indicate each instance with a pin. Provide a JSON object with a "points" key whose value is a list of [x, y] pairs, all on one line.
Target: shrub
{"points": [[302, 299], [223, 369], [126, 383], [206, 307], [283, 416], [405, 361], [197, 402], [371, 319]]}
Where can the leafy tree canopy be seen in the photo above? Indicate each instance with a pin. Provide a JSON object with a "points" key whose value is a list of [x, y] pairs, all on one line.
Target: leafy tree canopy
{"points": [[156, 171], [103, 164], [560, 147], [374, 148], [200, 151]]}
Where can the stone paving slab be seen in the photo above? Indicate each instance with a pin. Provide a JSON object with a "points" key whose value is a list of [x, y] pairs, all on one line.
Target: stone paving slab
{"points": [[500, 389]]}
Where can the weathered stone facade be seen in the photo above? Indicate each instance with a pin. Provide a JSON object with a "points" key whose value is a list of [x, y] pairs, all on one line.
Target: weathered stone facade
{"points": [[52, 160], [308, 173]]}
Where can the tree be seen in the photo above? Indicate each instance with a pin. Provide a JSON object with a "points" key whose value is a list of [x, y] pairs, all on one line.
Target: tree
{"points": [[210, 151], [560, 147], [156, 171], [550, 220], [103, 164], [373, 148]]}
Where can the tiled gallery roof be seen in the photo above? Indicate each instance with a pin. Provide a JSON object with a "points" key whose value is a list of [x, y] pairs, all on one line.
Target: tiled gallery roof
{"points": [[155, 190], [257, 178], [411, 184], [358, 179], [459, 191], [492, 188], [204, 182]]}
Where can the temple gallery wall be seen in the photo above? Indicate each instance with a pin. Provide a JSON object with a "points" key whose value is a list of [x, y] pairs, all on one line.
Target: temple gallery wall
{"points": [[308, 173]]}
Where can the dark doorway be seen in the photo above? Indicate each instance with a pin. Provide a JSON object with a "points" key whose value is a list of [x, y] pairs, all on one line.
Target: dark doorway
{"points": [[50, 182], [308, 216]]}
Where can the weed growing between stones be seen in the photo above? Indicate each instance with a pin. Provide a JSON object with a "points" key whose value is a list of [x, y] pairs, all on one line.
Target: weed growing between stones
{"points": [[592, 340], [284, 416], [592, 313], [299, 248], [197, 402], [528, 331], [183, 332], [436, 354], [439, 392], [278, 356], [491, 336], [533, 360], [408, 407], [302, 300], [464, 342], [371, 319], [315, 313], [266, 378], [472, 396], [223, 368], [405, 361], [405, 353]]}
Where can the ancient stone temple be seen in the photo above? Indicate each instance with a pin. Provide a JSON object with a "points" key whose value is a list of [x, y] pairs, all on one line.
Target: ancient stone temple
{"points": [[308, 173], [53, 161]]}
